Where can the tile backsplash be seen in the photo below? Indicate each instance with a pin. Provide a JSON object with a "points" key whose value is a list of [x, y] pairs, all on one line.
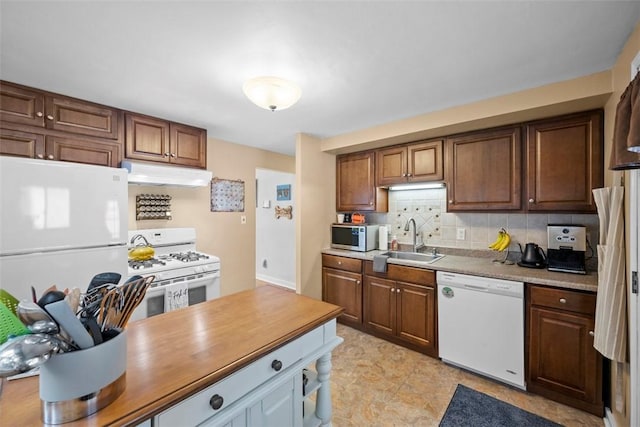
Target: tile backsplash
{"points": [[439, 228]]}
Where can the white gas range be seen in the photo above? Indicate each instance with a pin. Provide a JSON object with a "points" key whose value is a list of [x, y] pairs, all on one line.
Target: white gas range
{"points": [[183, 276]]}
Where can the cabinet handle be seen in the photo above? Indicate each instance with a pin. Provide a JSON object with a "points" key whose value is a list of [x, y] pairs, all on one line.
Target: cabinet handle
{"points": [[591, 333], [49, 117], [276, 365], [39, 114], [50, 157], [563, 301], [216, 401], [339, 262], [40, 156], [531, 200]]}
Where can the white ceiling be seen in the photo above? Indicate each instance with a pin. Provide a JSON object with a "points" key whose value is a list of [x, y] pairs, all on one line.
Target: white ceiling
{"points": [[358, 64]]}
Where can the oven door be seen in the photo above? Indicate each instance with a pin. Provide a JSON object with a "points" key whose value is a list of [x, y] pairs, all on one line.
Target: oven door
{"points": [[202, 287]]}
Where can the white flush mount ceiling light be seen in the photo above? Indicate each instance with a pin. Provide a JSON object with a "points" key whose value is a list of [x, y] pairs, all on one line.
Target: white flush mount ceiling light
{"points": [[271, 93]]}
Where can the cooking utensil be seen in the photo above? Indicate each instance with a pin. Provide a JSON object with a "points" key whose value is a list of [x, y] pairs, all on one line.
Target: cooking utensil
{"points": [[68, 322], [38, 321], [103, 279], [23, 353], [10, 325], [118, 304], [73, 299], [50, 296]]}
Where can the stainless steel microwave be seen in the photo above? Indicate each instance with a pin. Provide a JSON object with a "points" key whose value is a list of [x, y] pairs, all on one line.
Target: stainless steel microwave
{"points": [[354, 237]]}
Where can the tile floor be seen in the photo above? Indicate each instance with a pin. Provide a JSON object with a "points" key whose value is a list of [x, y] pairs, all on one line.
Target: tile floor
{"points": [[377, 383]]}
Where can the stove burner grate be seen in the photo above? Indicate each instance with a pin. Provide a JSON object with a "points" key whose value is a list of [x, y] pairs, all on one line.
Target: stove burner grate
{"points": [[137, 265], [188, 256]]}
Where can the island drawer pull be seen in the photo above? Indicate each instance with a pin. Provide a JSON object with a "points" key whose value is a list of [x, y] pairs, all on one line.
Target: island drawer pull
{"points": [[216, 401], [276, 365]]}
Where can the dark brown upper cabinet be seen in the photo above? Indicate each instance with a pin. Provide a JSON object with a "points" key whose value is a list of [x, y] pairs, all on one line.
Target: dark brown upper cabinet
{"points": [[416, 162], [152, 139], [484, 170], [355, 184], [564, 163]]}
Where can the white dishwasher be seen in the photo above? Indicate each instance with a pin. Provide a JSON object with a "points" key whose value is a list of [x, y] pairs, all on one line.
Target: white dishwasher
{"points": [[481, 325]]}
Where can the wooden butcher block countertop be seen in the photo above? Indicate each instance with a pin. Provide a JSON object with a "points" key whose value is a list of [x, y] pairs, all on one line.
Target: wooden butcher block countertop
{"points": [[172, 356]]}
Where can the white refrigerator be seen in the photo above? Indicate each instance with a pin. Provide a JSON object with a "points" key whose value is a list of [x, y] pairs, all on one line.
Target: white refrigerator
{"points": [[60, 224]]}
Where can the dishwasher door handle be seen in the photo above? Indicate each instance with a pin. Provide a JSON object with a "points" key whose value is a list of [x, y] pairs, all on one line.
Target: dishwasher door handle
{"points": [[476, 288]]}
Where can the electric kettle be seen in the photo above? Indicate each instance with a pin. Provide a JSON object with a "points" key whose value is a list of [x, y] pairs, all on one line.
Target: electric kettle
{"points": [[532, 256]]}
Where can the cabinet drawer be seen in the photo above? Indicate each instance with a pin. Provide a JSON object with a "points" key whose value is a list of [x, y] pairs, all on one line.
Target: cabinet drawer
{"points": [[563, 299], [342, 263], [198, 408]]}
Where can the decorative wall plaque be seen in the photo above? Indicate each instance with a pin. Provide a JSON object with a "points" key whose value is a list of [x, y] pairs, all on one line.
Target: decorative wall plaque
{"points": [[227, 195]]}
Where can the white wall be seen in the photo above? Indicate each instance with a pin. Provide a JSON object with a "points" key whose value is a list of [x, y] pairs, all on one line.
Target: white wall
{"points": [[275, 238]]}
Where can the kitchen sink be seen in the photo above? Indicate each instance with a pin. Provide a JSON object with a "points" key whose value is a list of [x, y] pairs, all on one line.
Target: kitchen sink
{"points": [[414, 256]]}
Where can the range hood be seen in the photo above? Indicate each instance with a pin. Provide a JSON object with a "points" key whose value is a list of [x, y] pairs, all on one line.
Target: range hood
{"points": [[148, 174]]}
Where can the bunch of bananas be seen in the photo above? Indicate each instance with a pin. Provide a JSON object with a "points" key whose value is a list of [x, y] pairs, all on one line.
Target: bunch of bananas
{"points": [[502, 242]]}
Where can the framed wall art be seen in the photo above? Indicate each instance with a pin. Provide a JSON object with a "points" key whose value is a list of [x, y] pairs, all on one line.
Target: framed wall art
{"points": [[227, 195], [283, 192]]}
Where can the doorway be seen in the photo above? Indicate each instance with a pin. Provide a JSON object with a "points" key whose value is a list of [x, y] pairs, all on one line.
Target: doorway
{"points": [[275, 256]]}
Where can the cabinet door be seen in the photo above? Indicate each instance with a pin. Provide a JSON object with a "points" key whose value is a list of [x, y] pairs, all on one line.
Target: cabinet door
{"points": [[21, 144], [344, 289], [563, 365], [147, 138], [355, 184], [188, 146], [81, 117], [278, 408], [391, 166], [416, 315], [484, 171], [82, 151], [380, 305], [425, 162], [564, 163], [21, 105]]}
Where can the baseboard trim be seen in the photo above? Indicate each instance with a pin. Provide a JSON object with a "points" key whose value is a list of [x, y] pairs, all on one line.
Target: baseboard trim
{"points": [[276, 281]]}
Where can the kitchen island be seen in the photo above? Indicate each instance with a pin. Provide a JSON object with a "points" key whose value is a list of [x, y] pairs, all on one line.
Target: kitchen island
{"points": [[209, 349]]}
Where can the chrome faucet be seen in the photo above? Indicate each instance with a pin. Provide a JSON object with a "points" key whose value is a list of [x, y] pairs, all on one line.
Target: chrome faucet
{"points": [[415, 232]]}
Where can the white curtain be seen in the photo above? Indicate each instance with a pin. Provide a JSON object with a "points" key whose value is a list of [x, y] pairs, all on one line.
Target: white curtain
{"points": [[610, 335]]}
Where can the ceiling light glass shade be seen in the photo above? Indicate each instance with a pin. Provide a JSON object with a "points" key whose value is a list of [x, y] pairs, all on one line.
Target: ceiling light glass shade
{"points": [[271, 93]]}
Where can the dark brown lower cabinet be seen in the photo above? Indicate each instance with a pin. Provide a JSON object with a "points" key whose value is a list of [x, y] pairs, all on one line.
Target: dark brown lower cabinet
{"points": [[562, 363], [400, 311], [342, 285]]}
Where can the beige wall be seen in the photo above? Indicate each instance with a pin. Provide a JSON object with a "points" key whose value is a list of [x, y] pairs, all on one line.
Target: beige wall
{"points": [[316, 201], [620, 74], [220, 233]]}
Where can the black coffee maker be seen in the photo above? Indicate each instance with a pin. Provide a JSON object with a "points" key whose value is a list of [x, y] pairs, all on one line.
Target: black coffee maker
{"points": [[567, 245]]}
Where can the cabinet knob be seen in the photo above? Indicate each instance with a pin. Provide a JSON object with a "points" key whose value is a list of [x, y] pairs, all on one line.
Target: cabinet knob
{"points": [[276, 365], [40, 156], [397, 290], [357, 282], [49, 117], [591, 333], [408, 174], [563, 300], [450, 200], [50, 157], [216, 401], [531, 200], [370, 203], [339, 262], [404, 174], [166, 154], [173, 154], [393, 289], [39, 114]]}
